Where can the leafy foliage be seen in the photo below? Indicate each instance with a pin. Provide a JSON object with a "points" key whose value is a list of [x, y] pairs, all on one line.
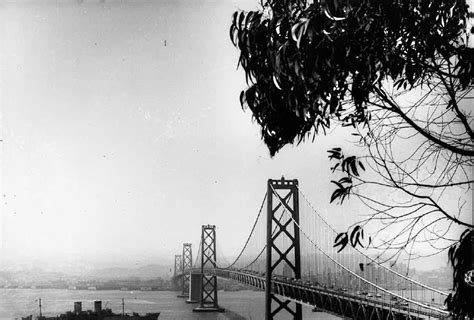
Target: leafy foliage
{"points": [[348, 166], [311, 65], [341, 240], [355, 239], [460, 256], [303, 62]]}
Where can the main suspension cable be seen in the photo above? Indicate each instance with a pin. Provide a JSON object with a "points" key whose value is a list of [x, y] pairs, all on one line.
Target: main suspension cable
{"points": [[250, 235], [370, 258], [198, 254]]}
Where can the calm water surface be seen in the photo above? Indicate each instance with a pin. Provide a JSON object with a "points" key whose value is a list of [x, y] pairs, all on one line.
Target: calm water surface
{"points": [[15, 303]]}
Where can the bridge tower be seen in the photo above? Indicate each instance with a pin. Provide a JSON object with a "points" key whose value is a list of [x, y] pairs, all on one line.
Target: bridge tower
{"points": [[177, 269], [186, 266], [208, 297], [282, 206], [177, 264]]}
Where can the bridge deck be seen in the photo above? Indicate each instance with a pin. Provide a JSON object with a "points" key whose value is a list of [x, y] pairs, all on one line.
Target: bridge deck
{"points": [[347, 304]]}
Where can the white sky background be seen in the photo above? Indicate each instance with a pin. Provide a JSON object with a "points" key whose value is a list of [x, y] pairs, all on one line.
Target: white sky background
{"points": [[117, 148]]}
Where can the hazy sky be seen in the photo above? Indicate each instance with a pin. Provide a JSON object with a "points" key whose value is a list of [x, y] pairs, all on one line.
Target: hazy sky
{"points": [[122, 133]]}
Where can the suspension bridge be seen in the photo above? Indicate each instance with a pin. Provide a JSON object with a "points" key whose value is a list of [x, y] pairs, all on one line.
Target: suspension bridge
{"points": [[289, 254]]}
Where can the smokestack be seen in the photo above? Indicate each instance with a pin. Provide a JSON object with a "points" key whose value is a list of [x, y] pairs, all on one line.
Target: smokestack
{"points": [[97, 306], [77, 307]]}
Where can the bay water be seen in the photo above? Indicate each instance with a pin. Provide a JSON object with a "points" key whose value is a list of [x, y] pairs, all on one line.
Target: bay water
{"points": [[238, 305]]}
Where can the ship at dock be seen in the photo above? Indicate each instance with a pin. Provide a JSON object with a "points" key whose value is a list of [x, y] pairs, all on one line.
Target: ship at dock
{"points": [[97, 314]]}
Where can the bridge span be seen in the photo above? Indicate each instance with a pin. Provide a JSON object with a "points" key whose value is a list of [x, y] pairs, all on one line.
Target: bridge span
{"points": [[303, 267]]}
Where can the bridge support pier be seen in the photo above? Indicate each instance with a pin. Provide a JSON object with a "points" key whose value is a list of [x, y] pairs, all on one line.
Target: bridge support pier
{"points": [[187, 264], [280, 226], [195, 284], [208, 296]]}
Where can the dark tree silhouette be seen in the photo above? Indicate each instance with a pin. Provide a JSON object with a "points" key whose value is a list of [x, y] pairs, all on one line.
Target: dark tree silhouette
{"points": [[461, 258], [400, 73]]}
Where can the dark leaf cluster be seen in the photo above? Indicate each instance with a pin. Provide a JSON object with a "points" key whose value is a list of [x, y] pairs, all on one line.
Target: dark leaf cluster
{"points": [[347, 165], [354, 239], [303, 61]]}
